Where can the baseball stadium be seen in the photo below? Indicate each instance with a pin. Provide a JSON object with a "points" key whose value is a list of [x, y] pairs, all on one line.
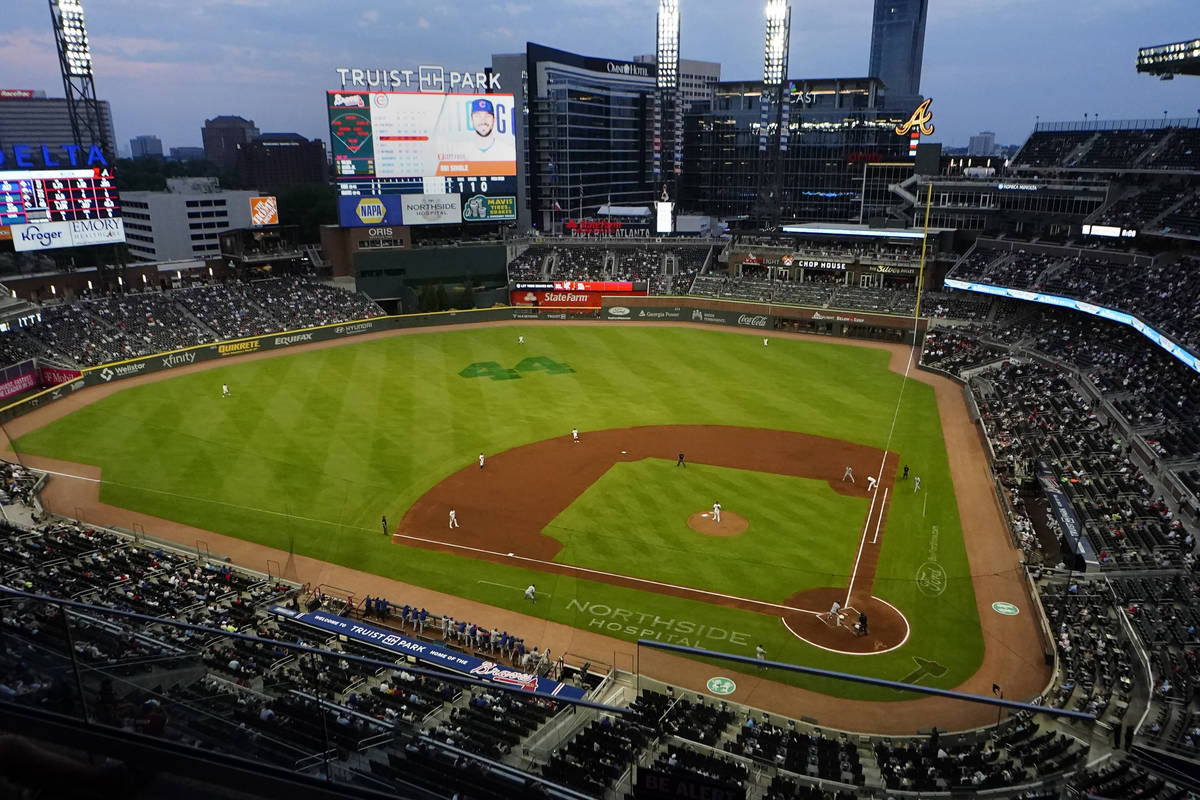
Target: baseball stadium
{"points": [[813, 462]]}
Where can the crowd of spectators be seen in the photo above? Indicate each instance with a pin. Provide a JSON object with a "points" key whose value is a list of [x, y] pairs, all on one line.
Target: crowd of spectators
{"points": [[1165, 294], [103, 329], [1150, 148], [1140, 208], [638, 263], [817, 289]]}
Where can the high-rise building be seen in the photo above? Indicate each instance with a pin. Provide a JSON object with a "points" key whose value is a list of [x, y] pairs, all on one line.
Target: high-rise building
{"points": [[224, 138], [897, 48], [183, 222], [275, 160], [697, 79], [588, 134], [147, 146], [841, 143], [187, 153], [29, 117], [982, 144]]}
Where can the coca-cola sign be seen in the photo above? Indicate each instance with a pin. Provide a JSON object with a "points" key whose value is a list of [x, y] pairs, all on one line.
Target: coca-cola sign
{"points": [[755, 321]]}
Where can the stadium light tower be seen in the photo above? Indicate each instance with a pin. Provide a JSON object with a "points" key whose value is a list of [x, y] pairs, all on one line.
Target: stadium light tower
{"points": [[773, 112], [75, 61], [668, 133]]}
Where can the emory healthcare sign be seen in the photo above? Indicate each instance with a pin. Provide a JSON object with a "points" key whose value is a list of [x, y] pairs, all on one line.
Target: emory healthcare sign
{"points": [[74, 233]]}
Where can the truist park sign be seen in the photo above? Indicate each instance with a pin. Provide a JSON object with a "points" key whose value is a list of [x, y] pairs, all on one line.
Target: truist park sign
{"points": [[425, 78]]}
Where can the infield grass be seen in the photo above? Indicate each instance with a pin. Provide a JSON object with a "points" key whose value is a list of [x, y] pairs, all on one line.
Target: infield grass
{"points": [[313, 447], [633, 521]]}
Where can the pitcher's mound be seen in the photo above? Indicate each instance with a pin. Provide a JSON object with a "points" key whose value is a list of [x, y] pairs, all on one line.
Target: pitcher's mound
{"points": [[730, 525]]}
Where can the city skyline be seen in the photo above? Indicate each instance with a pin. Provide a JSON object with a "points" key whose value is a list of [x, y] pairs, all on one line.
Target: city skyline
{"points": [[989, 64]]}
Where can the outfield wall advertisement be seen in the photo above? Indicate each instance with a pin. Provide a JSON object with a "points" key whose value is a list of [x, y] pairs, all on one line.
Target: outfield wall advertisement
{"points": [[431, 654]]}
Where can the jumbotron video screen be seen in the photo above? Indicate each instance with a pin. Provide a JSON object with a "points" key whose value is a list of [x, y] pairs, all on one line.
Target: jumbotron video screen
{"points": [[403, 158]]}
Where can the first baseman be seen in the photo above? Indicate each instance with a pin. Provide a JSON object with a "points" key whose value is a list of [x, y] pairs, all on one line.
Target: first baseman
{"points": [[871, 483]]}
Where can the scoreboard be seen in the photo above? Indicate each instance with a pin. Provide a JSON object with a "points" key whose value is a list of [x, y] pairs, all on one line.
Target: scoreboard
{"points": [[62, 195], [423, 158]]}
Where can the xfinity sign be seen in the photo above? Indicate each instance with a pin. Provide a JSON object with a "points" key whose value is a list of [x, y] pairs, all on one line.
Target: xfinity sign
{"points": [[425, 78]]}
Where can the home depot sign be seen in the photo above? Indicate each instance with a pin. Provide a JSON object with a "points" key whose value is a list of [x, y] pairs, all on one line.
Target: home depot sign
{"points": [[264, 211]]}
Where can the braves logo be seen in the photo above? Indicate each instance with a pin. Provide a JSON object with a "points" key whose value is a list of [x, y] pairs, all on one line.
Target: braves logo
{"points": [[921, 119]]}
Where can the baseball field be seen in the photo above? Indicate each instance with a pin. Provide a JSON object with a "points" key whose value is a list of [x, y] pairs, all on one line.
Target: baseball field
{"points": [[313, 448]]}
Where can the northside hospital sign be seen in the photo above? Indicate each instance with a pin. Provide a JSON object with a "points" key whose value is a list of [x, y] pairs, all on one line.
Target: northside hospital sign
{"points": [[425, 78]]}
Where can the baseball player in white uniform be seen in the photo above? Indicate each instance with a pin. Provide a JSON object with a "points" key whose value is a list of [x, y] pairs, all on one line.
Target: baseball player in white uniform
{"points": [[871, 482], [454, 519], [574, 434], [520, 340], [766, 341], [224, 390], [834, 615], [531, 593], [481, 460], [916, 483], [848, 475], [716, 512]]}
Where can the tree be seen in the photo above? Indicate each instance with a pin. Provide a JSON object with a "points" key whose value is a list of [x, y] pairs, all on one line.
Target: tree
{"points": [[308, 205]]}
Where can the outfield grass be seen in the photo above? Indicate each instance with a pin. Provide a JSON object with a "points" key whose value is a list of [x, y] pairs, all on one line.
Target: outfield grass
{"points": [[633, 521], [313, 447]]}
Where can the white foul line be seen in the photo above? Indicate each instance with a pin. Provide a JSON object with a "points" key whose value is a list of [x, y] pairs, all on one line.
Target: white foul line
{"points": [[573, 568], [862, 544], [879, 475], [517, 588], [879, 519]]}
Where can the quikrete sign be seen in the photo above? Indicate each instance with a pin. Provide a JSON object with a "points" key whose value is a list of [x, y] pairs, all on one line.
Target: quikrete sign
{"points": [[39, 156]]}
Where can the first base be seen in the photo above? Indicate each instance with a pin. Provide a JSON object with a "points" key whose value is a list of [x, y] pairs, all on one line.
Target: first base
{"points": [[510, 554]]}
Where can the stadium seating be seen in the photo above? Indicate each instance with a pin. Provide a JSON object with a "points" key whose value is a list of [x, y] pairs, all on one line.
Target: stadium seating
{"points": [[103, 329]]}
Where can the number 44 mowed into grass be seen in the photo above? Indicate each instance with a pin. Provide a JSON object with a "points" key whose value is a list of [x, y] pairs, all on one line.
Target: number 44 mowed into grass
{"points": [[493, 370]]}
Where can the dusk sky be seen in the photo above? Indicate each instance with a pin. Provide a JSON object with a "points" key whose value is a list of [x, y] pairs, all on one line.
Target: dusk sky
{"points": [[167, 65]]}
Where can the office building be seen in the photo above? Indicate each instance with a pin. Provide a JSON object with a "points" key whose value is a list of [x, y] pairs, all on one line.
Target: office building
{"points": [[187, 153], [224, 138], [841, 142], [697, 79], [982, 144], [183, 222], [145, 147], [28, 117], [276, 160], [589, 134], [897, 49]]}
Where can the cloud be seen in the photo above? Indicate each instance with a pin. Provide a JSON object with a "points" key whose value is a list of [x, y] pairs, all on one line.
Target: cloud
{"points": [[422, 23], [368, 18], [517, 9]]}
